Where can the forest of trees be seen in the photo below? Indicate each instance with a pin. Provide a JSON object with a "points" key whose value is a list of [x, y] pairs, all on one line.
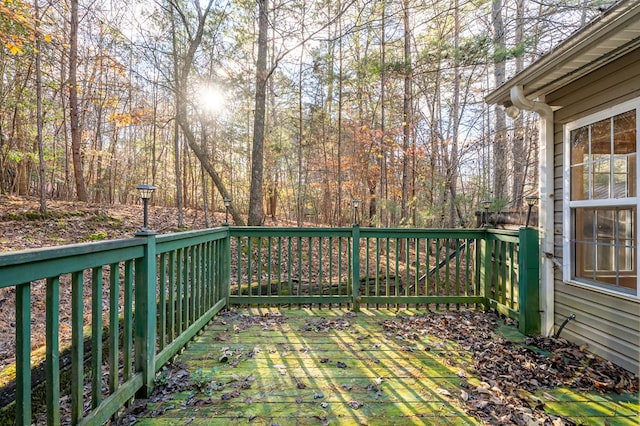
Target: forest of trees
{"points": [[291, 108]]}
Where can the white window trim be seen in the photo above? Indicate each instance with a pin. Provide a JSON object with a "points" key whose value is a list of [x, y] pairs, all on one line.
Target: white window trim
{"points": [[567, 204]]}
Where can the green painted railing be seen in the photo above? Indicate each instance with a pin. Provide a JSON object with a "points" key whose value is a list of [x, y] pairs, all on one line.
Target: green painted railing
{"points": [[159, 290], [423, 268], [162, 290]]}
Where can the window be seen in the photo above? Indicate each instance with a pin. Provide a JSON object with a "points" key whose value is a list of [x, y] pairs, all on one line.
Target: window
{"points": [[601, 200]]}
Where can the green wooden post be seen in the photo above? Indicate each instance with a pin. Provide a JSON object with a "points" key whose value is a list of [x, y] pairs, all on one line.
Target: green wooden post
{"points": [[355, 252], [145, 314], [529, 282], [23, 354]]}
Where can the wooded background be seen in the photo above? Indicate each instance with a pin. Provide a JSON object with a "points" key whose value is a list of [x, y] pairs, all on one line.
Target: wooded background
{"points": [[291, 108]]}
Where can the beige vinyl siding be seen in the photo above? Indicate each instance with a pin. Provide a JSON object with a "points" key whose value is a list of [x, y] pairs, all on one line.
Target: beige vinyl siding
{"points": [[608, 324]]}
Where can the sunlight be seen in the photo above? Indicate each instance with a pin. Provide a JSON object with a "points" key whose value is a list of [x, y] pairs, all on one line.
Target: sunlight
{"points": [[211, 98]]}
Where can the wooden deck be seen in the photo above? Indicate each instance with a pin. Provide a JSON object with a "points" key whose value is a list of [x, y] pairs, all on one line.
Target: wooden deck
{"points": [[315, 367]]}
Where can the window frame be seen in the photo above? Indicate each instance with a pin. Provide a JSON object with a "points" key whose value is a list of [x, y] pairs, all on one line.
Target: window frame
{"points": [[568, 205]]}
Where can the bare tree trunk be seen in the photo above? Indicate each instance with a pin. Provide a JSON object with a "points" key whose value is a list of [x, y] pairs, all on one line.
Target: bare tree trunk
{"points": [[499, 143], [383, 216], [407, 115], [39, 120], [517, 144], [176, 131], [256, 212], [74, 116], [452, 166]]}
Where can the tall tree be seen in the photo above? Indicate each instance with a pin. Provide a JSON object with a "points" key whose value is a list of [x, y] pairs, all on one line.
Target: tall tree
{"points": [[256, 212], [500, 128], [74, 113]]}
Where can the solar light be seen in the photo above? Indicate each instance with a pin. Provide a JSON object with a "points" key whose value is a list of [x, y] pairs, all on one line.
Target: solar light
{"points": [[145, 191]]}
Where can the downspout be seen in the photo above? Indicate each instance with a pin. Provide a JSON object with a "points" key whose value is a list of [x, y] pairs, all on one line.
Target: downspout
{"points": [[545, 212]]}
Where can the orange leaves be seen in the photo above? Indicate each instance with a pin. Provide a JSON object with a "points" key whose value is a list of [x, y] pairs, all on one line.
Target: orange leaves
{"points": [[124, 119], [17, 26]]}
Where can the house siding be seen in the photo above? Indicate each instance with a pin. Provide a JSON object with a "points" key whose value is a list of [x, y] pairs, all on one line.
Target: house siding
{"points": [[608, 324]]}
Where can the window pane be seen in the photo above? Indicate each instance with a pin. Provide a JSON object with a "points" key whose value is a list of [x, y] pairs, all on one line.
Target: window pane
{"points": [[620, 177], [605, 226], [601, 179], [579, 145], [625, 133], [580, 182], [584, 221], [601, 139], [604, 246]]}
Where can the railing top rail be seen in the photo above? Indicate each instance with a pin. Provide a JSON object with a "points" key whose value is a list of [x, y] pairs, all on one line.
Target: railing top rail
{"points": [[220, 231], [508, 235], [249, 231], [28, 266], [512, 232], [364, 232], [57, 252], [423, 232]]}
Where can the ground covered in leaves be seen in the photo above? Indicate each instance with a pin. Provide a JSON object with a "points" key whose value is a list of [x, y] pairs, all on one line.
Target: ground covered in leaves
{"points": [[22, 227], [383, 367]]}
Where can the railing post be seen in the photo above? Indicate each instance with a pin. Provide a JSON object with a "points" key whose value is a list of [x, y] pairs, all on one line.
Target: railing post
{"points": [[529, 282], [145, 313], [355, 276]]}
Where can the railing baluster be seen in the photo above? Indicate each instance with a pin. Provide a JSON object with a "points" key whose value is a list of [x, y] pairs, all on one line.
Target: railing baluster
{"points": [[171, 326], [269, 262], [512, 273], [96, 337], [162, 323], [193, 284], [249, 263], [387, 270], [339, 292], [377, 283], [185, 289], [259, 267], [416, 280], [23, 354], [114, 326], [53, 351], [447, 270], [289, 263], [299, 290], [407, 266], [320, 284], [310, 261], [127, 328], [279, 266], [77, 346]]}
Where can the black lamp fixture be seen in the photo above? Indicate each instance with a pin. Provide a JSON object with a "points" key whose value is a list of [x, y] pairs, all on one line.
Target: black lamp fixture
{"points": [[485, 205], [531, 200], [227, 204], [355, 203], [145, 191]]}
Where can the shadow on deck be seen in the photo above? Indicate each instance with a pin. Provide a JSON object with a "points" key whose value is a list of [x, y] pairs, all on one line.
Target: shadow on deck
{"points": [[270, 366]]}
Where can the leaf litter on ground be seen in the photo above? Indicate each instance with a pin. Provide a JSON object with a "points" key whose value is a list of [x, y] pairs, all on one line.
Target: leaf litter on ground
{"points": [[509, 372]]}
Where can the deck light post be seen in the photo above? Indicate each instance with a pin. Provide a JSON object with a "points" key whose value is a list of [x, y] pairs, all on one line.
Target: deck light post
{"points": [[531, 200], [355, 204], [485, 205], [227, 204], [145, 193]]}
